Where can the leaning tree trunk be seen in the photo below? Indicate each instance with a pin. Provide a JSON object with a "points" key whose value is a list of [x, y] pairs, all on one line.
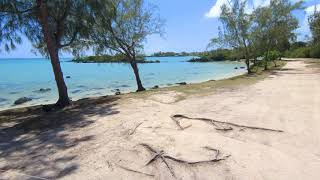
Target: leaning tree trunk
{"points": [[134, 66], [54, 56]]}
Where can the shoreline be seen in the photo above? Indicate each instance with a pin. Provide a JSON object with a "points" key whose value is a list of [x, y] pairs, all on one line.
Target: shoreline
{"points": [[123, 92]]}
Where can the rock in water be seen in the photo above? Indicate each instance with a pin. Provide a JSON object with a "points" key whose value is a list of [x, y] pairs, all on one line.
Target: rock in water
{"points": [[68, 77], [2, 99], [44, 90], [22, 100], [118, 93]]}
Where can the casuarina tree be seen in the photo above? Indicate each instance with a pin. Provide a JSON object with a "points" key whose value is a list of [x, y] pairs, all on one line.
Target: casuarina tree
{"points": [[51, 26]]}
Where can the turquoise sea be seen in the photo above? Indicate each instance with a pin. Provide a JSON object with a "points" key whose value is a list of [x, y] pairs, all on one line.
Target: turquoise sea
{"points": [[24, 77]]}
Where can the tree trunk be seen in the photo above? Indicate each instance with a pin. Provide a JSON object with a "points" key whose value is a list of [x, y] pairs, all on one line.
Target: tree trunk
{"points": [[248, 65], [136, 73], [54, 56], [275, 63], [266, 61]]}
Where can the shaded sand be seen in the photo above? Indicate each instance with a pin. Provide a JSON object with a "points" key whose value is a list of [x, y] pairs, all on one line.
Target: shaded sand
{"points": [[230, 133]]}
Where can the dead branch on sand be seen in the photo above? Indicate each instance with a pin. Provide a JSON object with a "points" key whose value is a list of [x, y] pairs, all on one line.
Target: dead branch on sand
{"points": [[134, 130], [213, 122], [179, 125], [161, 155], [135, 171]]}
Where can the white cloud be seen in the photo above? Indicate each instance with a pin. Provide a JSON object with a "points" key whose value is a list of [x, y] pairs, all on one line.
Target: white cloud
{"points": [[304, 26], [216, 9], [309, 10]]}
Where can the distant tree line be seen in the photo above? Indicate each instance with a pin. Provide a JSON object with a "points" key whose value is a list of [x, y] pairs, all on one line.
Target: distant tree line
{"points": [[266, 32], [310, 49]]}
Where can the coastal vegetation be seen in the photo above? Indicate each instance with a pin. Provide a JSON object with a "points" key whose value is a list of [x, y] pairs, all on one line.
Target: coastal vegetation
{"points": [[115, 30], [118, 58], [309, 49], [170, 54], [219, 54], [256, 34]]}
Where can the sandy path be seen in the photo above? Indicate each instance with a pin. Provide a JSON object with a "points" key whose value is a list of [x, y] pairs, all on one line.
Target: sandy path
{"points": [[105, 144]]}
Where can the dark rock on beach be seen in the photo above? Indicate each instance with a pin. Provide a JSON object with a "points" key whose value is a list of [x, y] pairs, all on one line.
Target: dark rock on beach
{"points": [[22, 100], [182, 83], [155, 87], [118, 93]]}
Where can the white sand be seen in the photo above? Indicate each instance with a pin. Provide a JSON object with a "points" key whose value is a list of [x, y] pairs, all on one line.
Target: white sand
{"points": [[289, 100]]}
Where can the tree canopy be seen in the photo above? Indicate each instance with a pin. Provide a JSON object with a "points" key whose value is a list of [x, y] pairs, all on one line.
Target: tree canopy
{"points": [[121, 26]]}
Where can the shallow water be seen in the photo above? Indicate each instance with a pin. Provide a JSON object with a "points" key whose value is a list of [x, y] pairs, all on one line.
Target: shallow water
{"points": [[25, 77]]}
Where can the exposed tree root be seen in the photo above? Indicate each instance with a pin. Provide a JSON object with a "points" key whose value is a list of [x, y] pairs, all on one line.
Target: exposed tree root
{"points": [[134, 130], [222, 128], [135, 171], [161, 155], [179, 125]]}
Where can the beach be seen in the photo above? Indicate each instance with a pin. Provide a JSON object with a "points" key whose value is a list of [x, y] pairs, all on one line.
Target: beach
{"points": [[248, 127]]}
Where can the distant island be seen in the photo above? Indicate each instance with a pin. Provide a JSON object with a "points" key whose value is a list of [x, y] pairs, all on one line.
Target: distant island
{"points": [[169, 54], [205, 56], [110, 59], [216, 55]]}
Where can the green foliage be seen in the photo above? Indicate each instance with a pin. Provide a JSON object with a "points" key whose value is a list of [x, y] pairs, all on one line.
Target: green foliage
{"points": [[274, 26], [314, 22], [272, 55], [168, 54], [315, 51], [67, 20], [259, 67], [303, 51], [300, 52], [122, 26], [118, 58]]}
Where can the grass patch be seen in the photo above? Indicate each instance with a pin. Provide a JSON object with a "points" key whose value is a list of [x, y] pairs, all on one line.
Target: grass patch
{"points": [[258, 68], [208, 87]]}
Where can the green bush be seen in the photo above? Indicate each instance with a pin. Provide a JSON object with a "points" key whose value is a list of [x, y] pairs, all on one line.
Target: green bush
{"points": [[315, 51], [302, 52], [272, 55]]}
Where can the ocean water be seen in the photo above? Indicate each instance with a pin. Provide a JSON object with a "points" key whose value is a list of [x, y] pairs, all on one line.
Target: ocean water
{"points": [[24, 77]]}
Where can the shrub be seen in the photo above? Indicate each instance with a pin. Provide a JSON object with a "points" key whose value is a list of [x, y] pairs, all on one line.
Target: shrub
{"points": [[302, 52], [273, 55], [315, 51]]}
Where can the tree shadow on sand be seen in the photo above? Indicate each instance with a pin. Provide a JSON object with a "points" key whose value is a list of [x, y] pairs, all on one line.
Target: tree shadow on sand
{"points": [[30, 144]]}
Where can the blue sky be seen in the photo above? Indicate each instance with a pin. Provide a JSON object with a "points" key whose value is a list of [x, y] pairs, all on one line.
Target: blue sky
{"points": [[189, 26]]}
